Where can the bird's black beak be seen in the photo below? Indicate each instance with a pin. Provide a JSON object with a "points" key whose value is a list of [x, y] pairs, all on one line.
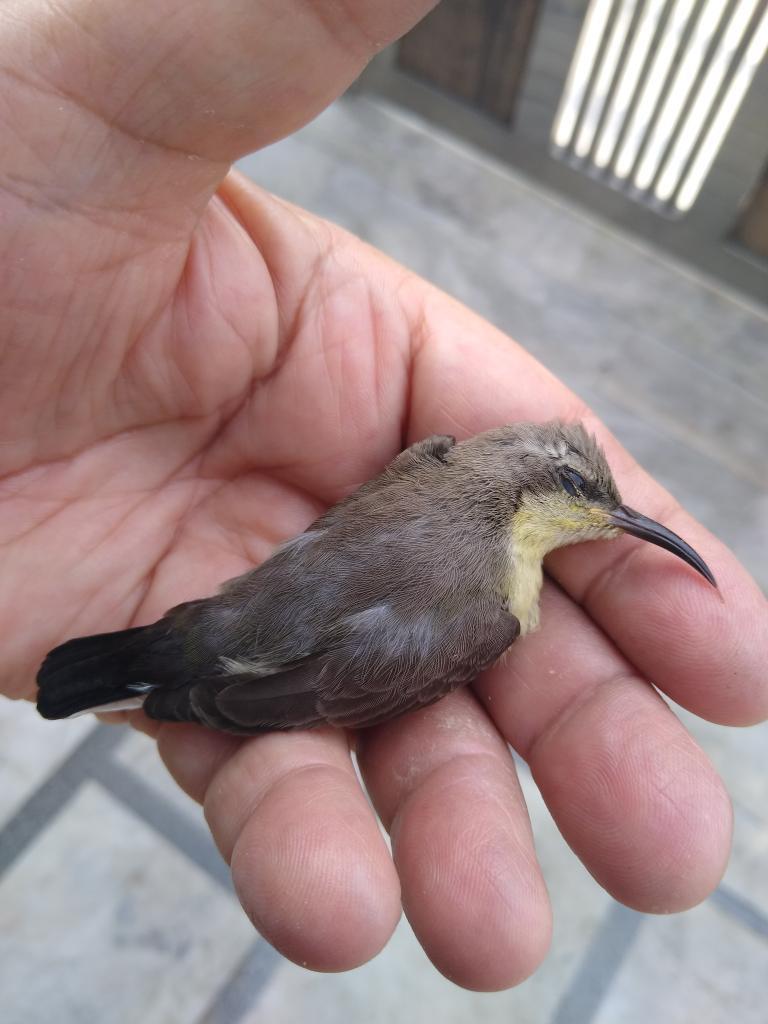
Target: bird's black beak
{"points": [[648, 529]]}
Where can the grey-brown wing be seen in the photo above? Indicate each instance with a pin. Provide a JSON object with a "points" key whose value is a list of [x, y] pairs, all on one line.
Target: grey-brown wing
{"points": [[404, 662], [382, 663]]}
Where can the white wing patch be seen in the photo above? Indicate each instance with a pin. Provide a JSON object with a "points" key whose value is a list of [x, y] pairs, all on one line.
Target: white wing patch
{"points": [[387, 631], [249, 666], [129, 704]]}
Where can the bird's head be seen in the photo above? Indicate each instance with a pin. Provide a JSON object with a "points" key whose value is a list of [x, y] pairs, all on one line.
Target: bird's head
{"points": [[566, 493]]}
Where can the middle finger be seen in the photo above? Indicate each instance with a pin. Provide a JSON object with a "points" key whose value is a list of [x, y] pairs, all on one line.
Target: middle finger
{"points": [[445, 786]]}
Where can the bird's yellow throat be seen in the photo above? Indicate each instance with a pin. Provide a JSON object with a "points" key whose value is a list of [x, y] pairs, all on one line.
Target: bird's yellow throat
{"points": [[541, 524]]}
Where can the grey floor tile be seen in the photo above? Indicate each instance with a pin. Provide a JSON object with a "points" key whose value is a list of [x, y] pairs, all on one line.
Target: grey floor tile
{"points": [[138, 753], [747, 874], [398, 985], [30, 750], [701, 966], [103, 921], [242, 989]]}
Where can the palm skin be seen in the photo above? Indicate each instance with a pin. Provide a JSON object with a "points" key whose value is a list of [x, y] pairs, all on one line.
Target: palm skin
{"points": [[192, 370]]}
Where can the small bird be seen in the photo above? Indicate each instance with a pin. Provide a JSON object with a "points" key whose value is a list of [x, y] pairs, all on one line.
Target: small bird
{"points": [[405, 590]]}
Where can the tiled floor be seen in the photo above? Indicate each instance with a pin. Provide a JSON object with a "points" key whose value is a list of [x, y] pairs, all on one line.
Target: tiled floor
{"points": [[129, 929], [114, 906]]}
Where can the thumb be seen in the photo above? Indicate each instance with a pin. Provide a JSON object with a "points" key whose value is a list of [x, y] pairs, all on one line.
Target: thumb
{"points": [[212, 79]]}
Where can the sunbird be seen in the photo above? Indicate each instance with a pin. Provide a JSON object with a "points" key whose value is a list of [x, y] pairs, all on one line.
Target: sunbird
{"points": [[405, 590]]}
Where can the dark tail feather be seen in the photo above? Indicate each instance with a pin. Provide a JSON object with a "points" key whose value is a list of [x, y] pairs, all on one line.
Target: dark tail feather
{"points": [[95, 670]]}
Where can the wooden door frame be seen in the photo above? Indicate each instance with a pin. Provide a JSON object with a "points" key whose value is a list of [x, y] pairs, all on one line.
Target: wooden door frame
{"points": [[702, 238]]}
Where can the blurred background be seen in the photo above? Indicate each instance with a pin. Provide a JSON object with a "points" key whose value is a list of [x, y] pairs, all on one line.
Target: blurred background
{"points": [[593, 178]]}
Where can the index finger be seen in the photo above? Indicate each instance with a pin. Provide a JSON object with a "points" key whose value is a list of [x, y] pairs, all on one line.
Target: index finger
{"points": [[706, 651], [308, 860]]}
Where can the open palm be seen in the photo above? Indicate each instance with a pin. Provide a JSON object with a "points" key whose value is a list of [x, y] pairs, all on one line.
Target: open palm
{"points": [[192, 370]]}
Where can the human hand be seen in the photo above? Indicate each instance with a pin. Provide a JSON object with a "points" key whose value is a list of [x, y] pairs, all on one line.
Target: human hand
{"points": [[190, 378]]}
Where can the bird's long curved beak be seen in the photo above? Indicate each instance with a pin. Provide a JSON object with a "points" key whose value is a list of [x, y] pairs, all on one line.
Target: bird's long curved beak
{"points": [[648, 529]]}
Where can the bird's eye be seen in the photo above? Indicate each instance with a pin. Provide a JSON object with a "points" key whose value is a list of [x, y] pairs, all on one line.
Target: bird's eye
{"points": [[572, 481]]}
